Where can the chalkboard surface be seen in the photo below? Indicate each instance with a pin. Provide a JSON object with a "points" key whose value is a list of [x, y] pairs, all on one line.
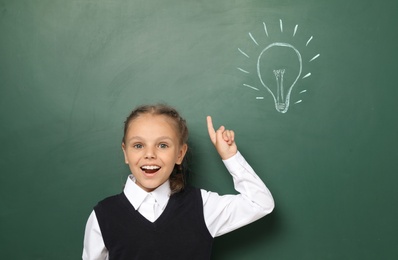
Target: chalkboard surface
{"points": [[308, 86]]}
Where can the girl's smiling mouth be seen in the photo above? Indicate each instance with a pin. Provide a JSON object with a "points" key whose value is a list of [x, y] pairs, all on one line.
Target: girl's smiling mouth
{"points": [[149, 169]]}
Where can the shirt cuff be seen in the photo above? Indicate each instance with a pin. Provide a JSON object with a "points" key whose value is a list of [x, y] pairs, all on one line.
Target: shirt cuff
{"points": [[237, 164]]}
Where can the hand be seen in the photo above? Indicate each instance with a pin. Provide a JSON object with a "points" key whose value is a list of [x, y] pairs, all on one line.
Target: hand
{"points": [[222, 139]]}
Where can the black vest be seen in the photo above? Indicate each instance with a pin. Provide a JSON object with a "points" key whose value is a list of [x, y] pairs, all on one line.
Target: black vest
{"points": [[179, 233]]}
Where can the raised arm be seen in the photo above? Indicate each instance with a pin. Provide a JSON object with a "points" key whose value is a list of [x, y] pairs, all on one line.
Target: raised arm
{"points": [[225, 213]]}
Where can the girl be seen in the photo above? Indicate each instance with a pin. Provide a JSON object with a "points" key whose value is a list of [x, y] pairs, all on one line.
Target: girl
{"points": [[157, 216]]}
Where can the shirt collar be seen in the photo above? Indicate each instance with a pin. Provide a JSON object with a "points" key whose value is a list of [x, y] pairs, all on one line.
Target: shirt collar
{"points": [[136, 195]]}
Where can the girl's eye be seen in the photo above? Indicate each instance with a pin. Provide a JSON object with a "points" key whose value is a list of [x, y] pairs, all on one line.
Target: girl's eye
{"points": [[137, 146], [163, 146]]}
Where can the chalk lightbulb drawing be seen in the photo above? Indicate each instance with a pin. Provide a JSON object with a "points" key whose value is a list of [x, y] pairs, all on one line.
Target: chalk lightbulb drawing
{"points": [[279, 68]]}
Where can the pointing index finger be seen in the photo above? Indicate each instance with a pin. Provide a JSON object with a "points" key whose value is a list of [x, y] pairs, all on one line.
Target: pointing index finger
{"points": [[210, 128]]}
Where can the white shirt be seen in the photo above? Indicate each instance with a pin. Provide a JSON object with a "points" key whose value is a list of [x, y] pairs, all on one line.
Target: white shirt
{"points": [[222, 214]]}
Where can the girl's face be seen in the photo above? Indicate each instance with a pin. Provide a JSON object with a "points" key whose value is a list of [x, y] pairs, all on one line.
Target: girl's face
{"points": [[152, 149]]}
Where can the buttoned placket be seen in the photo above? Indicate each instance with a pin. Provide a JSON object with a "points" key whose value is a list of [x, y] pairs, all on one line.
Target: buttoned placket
{"points": [[149, 208]]}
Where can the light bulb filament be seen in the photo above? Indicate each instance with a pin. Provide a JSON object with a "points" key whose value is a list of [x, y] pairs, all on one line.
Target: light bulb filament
{"points": [[279, 84], [279, 88]]}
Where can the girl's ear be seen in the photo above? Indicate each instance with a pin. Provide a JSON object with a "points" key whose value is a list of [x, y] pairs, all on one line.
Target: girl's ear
{"points": [[181, 153], [124, 152]]}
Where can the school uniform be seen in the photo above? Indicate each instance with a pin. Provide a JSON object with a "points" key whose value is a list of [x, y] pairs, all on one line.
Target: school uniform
{"points": [[177, 226]]}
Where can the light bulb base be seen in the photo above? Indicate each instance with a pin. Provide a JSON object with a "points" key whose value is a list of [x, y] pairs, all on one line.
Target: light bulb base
{"points": [[281, 107]]}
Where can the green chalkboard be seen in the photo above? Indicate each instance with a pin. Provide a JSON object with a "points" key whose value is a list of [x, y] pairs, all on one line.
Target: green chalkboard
{"points": [[308, 86]]}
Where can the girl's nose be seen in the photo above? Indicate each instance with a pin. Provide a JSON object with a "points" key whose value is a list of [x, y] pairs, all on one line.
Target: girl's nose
{"points": [[150, 153]]}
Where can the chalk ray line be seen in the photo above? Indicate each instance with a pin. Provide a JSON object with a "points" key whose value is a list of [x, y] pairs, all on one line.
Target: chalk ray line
{"points": [[250, 87], [310, 39], [295, 30], [265, 29], [244, 53], [254, 40], [245, 71], [315, 57]]}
